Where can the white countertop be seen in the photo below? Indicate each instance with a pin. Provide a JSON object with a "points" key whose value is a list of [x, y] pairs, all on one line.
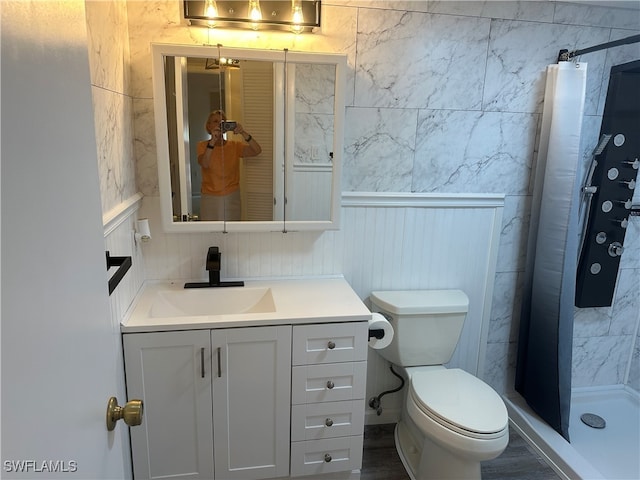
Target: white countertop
{"points": [[297, 301]]}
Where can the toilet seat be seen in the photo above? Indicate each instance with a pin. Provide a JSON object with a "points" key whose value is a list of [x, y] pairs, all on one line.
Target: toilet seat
{"points": [[460, 402]]}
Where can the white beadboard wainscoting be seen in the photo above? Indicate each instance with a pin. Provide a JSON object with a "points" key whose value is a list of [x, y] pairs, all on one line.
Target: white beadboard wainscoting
{"points": [[423, 241], [119, 228], [386, 241]]}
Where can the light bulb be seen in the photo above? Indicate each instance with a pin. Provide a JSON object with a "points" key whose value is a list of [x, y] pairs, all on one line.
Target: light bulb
{"points": [[211, 11], [296, 16], [255, 14]]}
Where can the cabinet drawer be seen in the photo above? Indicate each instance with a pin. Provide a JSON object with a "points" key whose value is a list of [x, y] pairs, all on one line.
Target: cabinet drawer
{"points": [[328, 383], [330, 342], [327, 420], [316, 457]]}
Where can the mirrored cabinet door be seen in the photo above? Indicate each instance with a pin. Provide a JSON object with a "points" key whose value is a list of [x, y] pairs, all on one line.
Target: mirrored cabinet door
{"points": [[309, 173]]}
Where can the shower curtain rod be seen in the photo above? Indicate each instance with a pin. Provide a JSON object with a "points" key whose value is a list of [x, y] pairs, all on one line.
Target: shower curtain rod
{"points": [[565, 55]]}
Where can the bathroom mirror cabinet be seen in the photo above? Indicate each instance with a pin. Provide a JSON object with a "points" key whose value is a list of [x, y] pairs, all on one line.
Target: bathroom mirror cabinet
{"points": [[291, 103]]}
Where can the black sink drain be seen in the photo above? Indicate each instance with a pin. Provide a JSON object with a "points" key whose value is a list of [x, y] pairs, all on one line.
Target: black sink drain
{"points": [[592, 420]]}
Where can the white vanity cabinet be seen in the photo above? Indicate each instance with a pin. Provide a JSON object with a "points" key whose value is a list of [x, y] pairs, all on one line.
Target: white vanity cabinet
{"points": [[265, 381], [216, 402]]}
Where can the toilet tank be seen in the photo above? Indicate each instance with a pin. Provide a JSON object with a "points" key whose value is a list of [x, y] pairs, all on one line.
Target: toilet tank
{"points": [[427, 324]]}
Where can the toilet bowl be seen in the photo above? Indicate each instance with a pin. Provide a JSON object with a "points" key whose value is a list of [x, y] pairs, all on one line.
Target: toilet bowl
{"points": [[451, 421], [462, 419]]}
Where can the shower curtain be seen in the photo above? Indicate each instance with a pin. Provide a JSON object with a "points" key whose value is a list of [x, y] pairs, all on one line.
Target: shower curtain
{"points": [[543, 371]]}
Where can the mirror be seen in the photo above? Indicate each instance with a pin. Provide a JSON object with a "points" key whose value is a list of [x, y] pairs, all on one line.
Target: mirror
{"points": [[277, 168]]}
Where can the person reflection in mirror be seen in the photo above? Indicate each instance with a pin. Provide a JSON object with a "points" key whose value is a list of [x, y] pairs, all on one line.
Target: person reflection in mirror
{"points": [[219, 160]]}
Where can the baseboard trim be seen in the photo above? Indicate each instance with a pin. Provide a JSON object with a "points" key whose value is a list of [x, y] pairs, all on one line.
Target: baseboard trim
{"points": [[388, 415]]}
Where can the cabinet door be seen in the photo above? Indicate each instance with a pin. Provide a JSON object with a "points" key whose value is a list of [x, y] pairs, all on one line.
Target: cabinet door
{"points": [[170, 372], [251, 401]]}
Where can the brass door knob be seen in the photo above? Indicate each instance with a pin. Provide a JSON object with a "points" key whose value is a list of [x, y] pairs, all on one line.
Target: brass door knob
{"points": [[131, 413]]}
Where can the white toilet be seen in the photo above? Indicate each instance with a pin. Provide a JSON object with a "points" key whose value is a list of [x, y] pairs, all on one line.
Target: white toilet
{"points": [[451, 420]]}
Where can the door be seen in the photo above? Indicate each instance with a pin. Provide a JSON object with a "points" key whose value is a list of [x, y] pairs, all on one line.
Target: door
{"points": [[60, 361], [171, 373], [257, 116], [251, 401]]}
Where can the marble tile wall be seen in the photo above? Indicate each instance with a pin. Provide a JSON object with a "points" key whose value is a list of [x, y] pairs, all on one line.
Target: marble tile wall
{"points": [[112, 101], [443, 97]]}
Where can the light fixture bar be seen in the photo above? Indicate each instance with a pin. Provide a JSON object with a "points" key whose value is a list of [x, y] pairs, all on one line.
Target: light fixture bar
{"points": [[276, 14]]}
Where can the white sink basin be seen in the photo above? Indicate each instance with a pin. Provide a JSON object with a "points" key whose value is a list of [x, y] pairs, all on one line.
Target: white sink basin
{"points": [[167, 306], [212, 301]]}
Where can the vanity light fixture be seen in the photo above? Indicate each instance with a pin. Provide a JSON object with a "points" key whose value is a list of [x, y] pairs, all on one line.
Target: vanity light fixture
{"points": [[211, 11], [297, 16], [255, 14]]}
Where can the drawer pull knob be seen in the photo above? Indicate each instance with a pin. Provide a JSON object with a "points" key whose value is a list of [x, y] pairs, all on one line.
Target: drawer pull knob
{"points": [[328, 422], [327, 457], [330, 385], [331, 345]]}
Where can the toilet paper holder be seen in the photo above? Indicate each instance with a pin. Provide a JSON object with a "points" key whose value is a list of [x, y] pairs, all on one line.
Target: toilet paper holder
{"points": [[376, 333], [380, 331]]}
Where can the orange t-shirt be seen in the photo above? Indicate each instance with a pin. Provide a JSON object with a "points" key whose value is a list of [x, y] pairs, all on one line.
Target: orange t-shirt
{"points": [[223, 175]]}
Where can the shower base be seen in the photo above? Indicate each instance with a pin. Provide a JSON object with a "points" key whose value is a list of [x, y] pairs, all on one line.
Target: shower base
{"points": [[608, 453]]}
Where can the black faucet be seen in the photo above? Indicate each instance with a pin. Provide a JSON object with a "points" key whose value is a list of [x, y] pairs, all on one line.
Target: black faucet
{"points": [[213, 263]]}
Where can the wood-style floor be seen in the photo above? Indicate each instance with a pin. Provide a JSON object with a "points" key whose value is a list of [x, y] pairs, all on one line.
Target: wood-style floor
{"points": [[518, 462]]}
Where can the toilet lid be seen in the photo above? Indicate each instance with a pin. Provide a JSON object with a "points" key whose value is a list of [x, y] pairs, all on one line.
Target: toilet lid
{"points": [[457, 398]]}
